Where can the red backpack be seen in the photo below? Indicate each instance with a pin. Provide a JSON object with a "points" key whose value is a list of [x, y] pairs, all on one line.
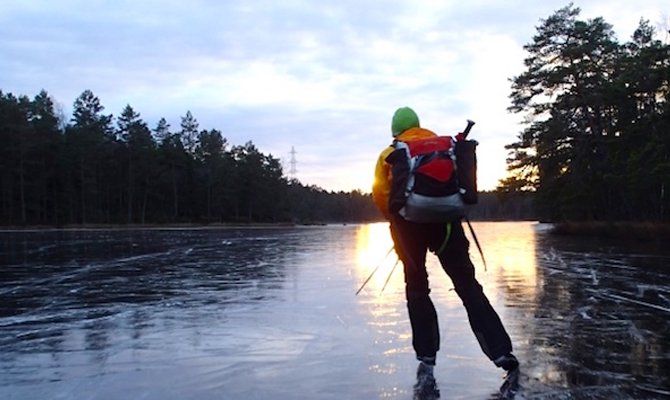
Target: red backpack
{"points": [[433, 178]]}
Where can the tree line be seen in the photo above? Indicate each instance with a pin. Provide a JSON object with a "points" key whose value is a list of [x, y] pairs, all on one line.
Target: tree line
{"points": [[97, 169], [498, 206], [596, 141]]}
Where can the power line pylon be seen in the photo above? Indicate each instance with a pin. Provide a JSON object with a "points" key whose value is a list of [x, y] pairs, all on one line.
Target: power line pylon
{"points": [[293, 162]]}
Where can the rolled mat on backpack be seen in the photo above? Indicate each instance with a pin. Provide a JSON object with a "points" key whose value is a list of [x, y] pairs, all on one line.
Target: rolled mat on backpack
{"points": [[466, 169]]}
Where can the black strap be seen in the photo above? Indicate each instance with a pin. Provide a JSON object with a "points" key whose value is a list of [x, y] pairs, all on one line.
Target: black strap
{"points": [[425, 158]]}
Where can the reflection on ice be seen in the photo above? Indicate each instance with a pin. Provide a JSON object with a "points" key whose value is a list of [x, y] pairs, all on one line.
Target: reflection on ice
{"points": [[271, 313], [376, 258]]}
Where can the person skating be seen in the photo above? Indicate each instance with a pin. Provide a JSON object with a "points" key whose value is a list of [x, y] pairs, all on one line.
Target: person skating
{"points": [[447, 240]]}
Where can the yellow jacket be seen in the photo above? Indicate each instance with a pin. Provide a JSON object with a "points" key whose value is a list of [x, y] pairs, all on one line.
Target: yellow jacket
{"points": [[381, 188]]}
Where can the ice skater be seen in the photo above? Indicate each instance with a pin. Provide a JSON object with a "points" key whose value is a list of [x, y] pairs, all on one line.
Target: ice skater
{"points": [[417, 170]]}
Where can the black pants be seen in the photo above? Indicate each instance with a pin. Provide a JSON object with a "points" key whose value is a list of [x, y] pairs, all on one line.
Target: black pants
{"points": [[411, 242]]}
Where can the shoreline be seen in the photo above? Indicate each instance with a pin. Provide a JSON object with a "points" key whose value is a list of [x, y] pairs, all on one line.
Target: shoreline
{"points": [[140, 227], [198, 226], [616, 230], [612, 230], [172, 226]]}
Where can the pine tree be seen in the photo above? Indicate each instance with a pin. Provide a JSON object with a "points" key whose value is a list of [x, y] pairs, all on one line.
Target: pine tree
{"points": [[47, 146], [562, 93], [90, 139], [596, 145], [139, 148], [210, 153], [189, 132]]}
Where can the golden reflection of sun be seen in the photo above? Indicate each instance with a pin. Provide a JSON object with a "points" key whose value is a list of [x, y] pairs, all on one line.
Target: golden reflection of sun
{"points": [[373, 242], [519, 258], [511, 251]]}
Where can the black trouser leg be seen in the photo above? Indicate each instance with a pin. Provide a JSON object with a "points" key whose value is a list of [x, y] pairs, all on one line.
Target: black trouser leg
{"points": [[423, 318], [411, 248], [484, 321]]}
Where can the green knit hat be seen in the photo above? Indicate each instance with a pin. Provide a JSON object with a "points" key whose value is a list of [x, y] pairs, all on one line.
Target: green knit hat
{"points": [[403, 119]]}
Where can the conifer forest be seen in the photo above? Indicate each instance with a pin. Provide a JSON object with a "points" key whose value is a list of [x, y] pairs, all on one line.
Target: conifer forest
{"points": [[97, 169], [596, 140]]}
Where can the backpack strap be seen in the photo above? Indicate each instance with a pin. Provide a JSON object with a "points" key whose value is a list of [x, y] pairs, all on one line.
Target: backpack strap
{"points": [[412, 163]]}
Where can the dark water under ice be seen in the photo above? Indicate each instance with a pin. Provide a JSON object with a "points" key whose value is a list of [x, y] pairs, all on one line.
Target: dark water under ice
{"points": [[271, 314]]}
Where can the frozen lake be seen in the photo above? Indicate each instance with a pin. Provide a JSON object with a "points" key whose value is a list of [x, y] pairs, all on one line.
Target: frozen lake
{"points": [[272, 314]]}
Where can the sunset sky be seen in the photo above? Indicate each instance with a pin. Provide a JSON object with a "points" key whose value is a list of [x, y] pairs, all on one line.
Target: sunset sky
{"points": [[322, 76]]}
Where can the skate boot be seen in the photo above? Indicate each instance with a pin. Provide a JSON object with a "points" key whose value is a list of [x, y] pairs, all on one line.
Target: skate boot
{"points": [[425, 387], [510, 385]]}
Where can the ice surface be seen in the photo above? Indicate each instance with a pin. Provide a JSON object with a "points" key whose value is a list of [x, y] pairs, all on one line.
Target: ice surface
{"points": [[272, 314]]}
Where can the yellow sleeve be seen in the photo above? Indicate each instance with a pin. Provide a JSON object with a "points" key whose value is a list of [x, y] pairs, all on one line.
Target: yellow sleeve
{"points": [[381, 187]]}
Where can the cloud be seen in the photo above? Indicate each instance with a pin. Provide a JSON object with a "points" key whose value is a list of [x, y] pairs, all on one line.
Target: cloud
{"points": [[323, 76]]}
